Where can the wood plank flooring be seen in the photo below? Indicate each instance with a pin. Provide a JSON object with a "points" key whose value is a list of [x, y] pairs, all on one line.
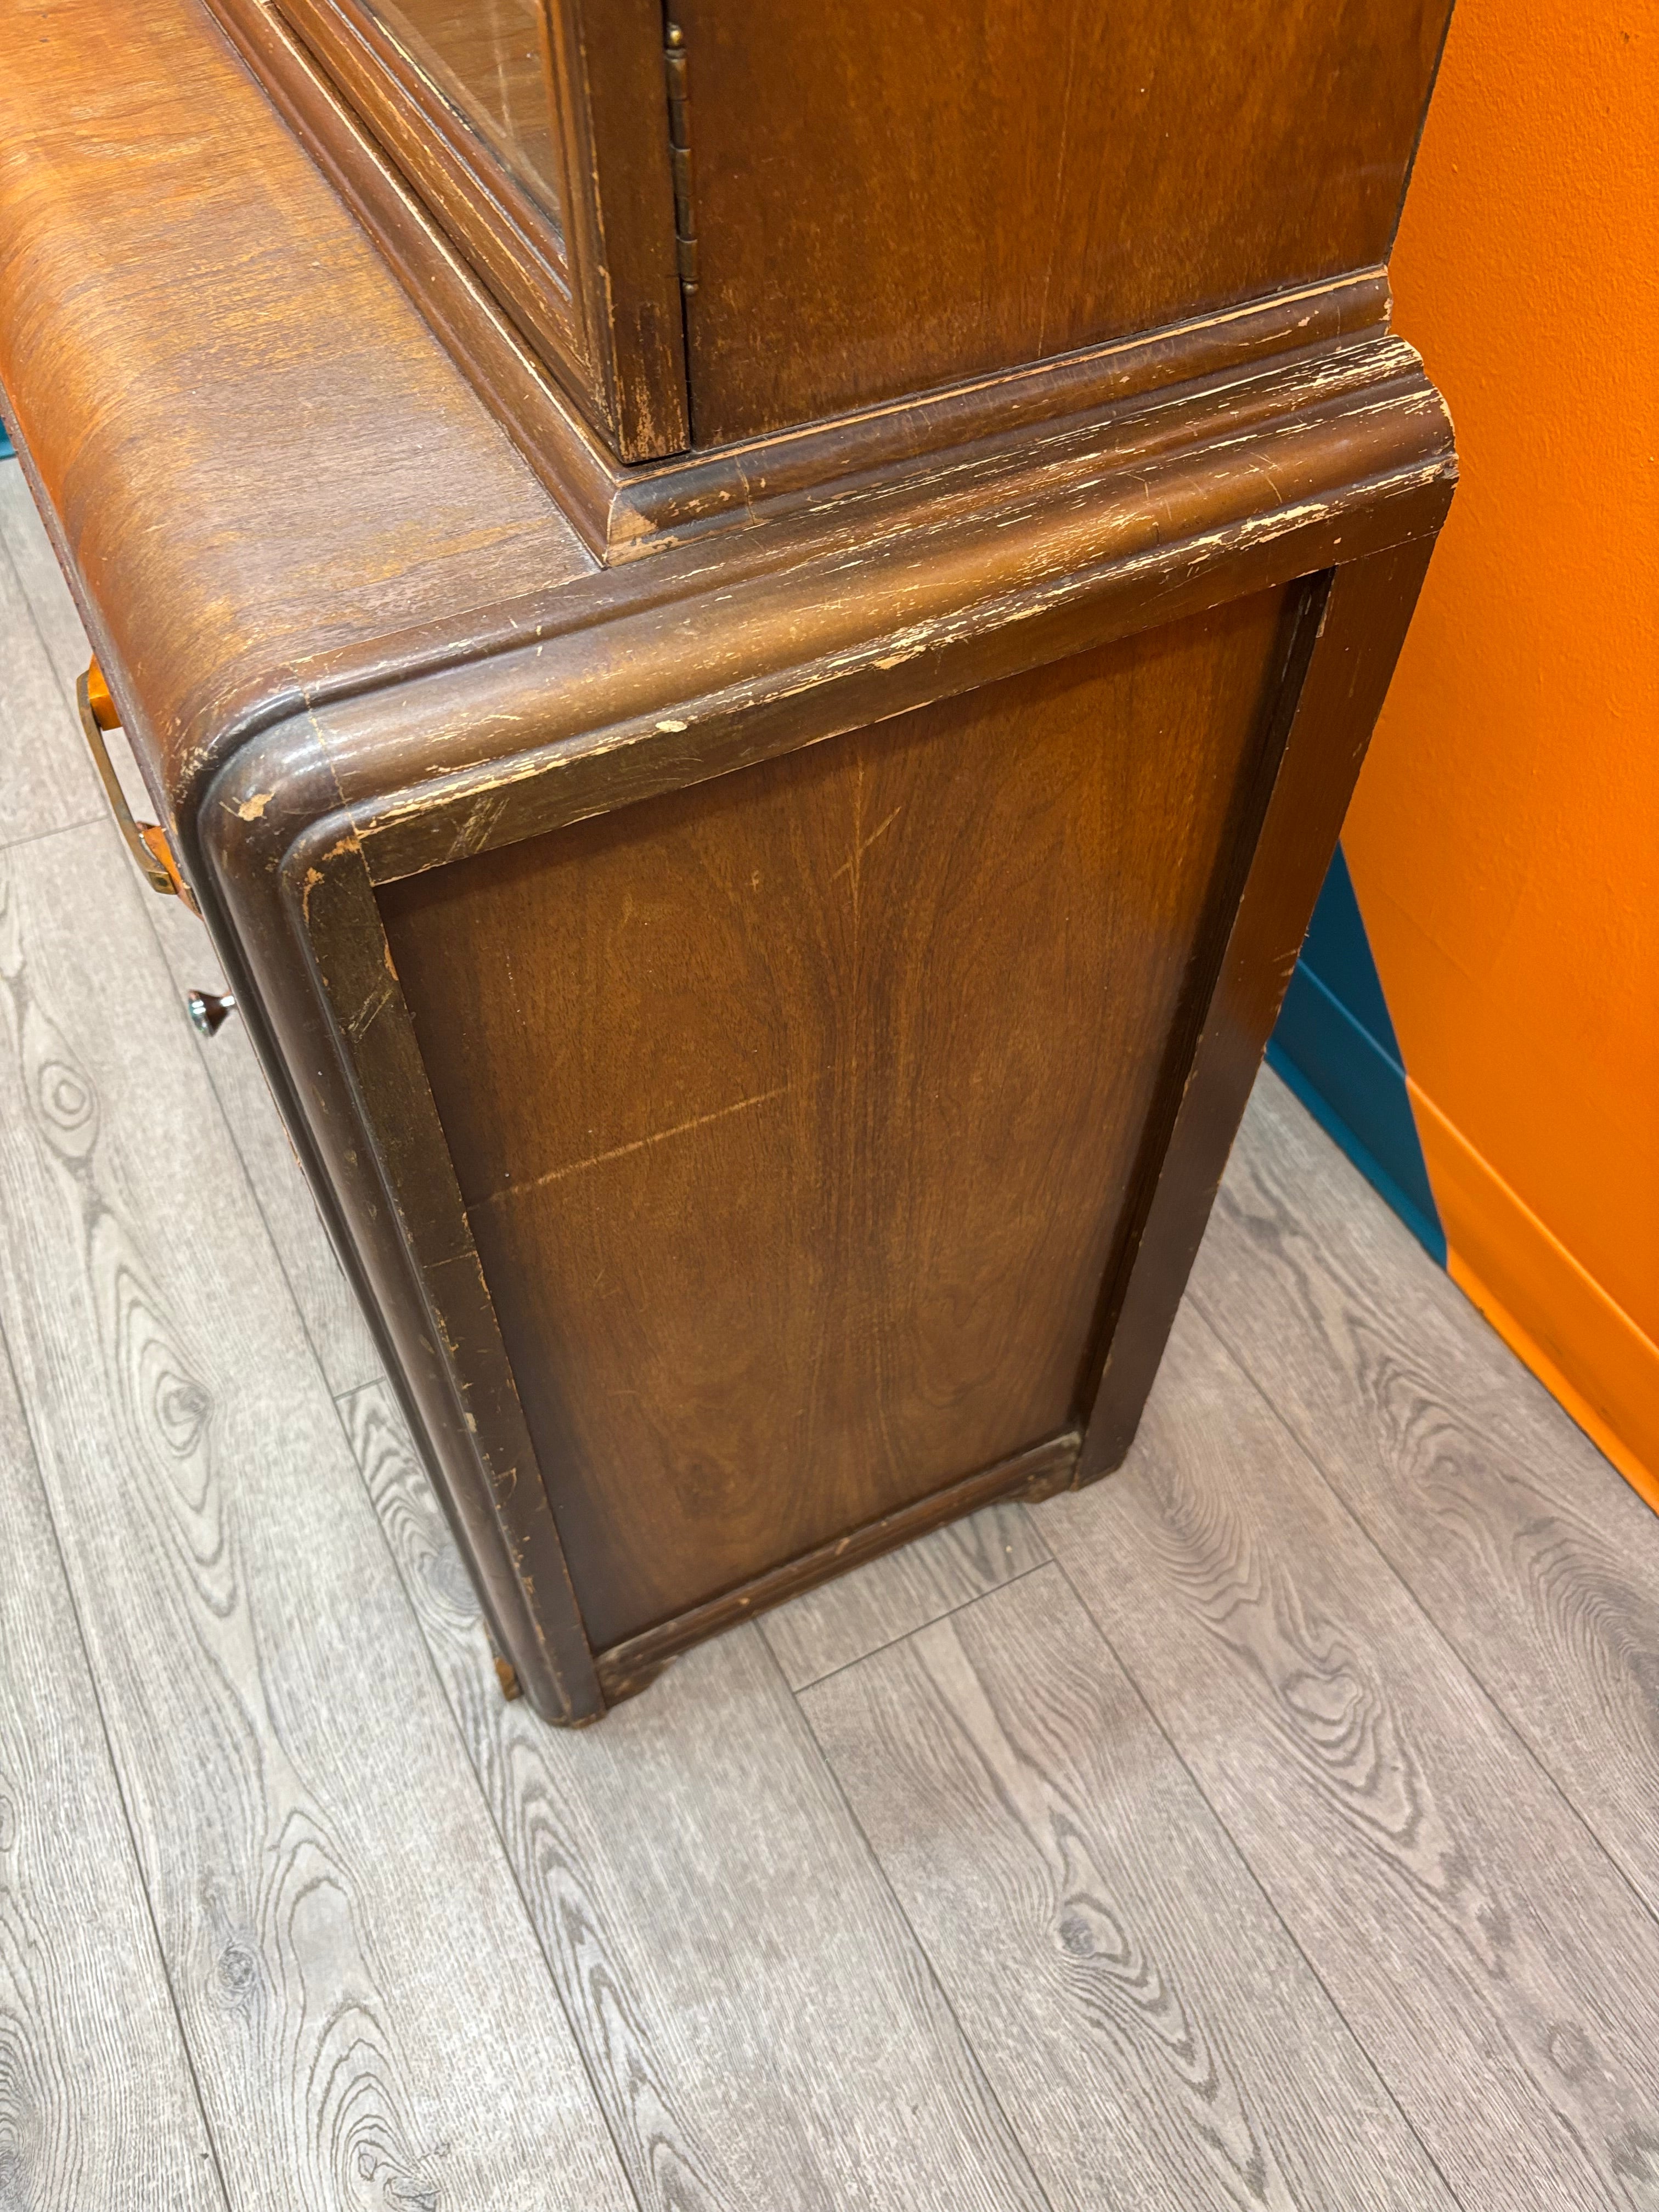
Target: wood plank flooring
{"points": [[97, 2102], [39, 625], [1275, 1825]]}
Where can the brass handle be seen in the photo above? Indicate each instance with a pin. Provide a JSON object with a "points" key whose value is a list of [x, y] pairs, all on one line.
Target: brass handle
{"points": [[147, 842]]}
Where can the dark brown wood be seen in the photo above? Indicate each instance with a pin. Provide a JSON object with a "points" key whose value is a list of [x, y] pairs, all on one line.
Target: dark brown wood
{"points": [[364, 733], [791, 1113], [622, 511], [1038, 1473], [593, 282], [298, 413], [873, 202], [1144, 516], [626, 147], [508, 1525], [990, 693], [894, 197], [1362, 627]]}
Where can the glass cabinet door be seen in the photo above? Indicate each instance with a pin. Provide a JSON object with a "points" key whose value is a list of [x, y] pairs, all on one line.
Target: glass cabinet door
{"points": [[534, 134], [491, 62]]}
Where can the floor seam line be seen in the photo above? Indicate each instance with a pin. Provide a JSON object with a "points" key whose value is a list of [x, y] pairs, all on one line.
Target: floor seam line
{"points": [[57, 829], [904, 1635], [803, 1721]]}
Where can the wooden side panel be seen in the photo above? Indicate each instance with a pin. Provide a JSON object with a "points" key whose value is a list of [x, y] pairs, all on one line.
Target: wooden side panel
{"points": [[1360, 627], [794, 1113], [891, 194]]}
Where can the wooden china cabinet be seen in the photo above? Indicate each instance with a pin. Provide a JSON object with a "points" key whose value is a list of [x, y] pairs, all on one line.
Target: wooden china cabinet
{"points": [[751, 628]]}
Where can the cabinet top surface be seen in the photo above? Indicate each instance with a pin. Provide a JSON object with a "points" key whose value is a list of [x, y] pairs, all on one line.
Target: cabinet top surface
{"points": [[257, 452]]}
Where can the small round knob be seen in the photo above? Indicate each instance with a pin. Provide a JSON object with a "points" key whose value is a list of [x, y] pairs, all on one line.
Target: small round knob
{"points": [[210, 1010]]}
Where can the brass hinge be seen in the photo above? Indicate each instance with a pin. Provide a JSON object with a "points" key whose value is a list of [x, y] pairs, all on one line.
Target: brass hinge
{"points": [[679, 155]]}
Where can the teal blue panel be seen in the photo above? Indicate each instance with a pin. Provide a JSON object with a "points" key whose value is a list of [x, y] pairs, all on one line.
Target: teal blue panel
{"points": [[1338, 952], [1335, 1047]]}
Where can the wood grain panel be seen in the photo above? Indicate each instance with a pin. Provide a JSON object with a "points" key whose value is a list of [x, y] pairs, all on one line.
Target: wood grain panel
{"points": [[1139, 2007], [889, 197], [1536, 1559], [795, 1113], [761, 2024], [348, 1950], [1480, 1944], [97, 2106]]}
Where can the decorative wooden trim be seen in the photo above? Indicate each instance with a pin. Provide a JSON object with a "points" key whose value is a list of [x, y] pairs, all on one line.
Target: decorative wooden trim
{"points": [[624, 512], [989, 570], [1299, 637], [350, 61], [1362, 626], [330, 909], [821, 463], [627, 1668], [620, 338], [1160, 507], [624, 139]]}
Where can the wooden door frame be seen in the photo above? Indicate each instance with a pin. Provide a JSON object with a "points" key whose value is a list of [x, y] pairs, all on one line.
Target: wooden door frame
{"points": [[605, 308]]}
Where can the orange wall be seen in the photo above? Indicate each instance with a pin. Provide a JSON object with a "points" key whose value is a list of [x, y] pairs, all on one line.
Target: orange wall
{"points": [[1504, 839]]}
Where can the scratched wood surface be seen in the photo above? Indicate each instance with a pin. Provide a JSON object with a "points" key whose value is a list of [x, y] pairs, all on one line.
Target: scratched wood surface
{"points": [[753, 1100], [1264, 1827]]}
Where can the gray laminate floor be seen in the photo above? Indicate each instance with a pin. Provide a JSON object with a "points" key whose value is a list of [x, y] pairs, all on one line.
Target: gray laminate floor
{"points": [[1274, 1825]]}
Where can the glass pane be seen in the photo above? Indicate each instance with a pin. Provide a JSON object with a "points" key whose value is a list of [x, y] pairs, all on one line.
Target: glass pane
{"points": [[488, 61]]}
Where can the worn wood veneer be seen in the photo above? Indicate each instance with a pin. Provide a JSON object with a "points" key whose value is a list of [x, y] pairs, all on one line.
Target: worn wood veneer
{"points": [[762, 955], [791, 1206]]}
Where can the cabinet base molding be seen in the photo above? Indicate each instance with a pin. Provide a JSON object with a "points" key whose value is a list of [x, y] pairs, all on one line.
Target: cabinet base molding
{"points": [[1042, 1472]]}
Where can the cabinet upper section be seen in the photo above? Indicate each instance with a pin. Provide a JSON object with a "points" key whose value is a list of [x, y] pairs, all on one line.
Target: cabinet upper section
{"points": [[753, 214]]}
